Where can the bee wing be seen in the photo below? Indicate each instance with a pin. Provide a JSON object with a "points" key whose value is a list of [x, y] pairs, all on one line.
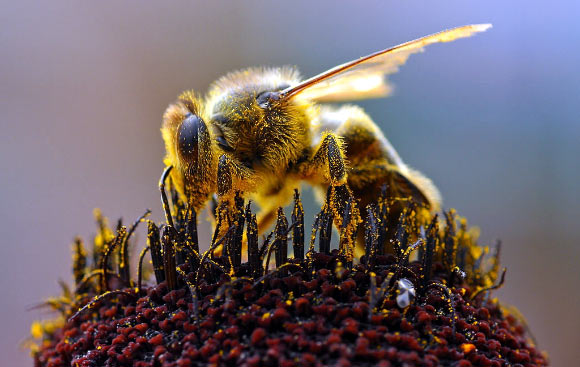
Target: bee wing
{"points": [[365, 77]]}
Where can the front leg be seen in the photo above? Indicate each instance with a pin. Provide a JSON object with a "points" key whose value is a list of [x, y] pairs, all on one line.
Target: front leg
{"points": [[224, 178], [226, 207]]}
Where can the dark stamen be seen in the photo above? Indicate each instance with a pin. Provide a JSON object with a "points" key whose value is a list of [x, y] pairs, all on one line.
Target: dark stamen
{"points": [[298, 232], [124, 270], [156, 251]]}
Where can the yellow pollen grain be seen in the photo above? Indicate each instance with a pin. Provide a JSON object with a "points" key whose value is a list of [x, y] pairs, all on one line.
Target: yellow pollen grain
{"points": [[467, 348], [36, 330]]}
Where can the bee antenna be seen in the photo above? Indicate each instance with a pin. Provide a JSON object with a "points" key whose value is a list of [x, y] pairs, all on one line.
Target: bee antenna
{"points": [[164, 200]]}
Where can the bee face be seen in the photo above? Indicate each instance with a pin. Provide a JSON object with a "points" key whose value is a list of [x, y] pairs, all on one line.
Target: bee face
{"points": [[190, 147]]}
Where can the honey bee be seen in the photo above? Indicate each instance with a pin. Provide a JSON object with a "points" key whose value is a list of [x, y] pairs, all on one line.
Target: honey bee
{"points": [[263, 131]]}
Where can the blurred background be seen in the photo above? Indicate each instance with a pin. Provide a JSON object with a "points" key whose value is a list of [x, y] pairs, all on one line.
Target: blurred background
{"points": [[492, 120]]}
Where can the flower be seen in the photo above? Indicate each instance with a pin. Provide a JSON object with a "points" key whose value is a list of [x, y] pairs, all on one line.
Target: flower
{"points": [[416, 296]]}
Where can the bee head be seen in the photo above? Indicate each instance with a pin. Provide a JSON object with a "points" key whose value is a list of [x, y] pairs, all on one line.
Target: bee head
{"points": [[189, 144]]}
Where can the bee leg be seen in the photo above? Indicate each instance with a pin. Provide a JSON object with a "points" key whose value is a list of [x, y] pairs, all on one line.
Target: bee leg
{"points": [[225, 202], [164, 200], [327, 167], [374, 164], [327, 162], [224, 177], [227, 205], [335, 159]]}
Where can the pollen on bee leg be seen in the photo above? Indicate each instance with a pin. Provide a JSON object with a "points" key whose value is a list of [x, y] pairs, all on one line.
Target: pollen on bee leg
{"points": [[344, 209], [336, 166], [224, 176]]}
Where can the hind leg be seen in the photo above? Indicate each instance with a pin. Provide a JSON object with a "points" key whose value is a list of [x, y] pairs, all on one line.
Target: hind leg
{"points": [[374, 164], [327, 163], [372, 160], [327, 168]]}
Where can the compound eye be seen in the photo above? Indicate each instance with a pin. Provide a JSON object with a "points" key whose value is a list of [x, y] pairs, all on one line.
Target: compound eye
{"points": [[187, 136]]}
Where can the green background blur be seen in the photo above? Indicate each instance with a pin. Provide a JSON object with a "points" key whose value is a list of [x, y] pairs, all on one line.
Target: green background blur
{"points": [[493, 120]]}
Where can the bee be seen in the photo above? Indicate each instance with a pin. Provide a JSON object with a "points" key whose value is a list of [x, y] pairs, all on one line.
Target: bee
{"points": [[263, 131]]}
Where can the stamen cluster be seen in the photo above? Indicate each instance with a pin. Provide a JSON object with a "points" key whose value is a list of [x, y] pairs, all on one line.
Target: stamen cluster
{"points": [[416, 295]]}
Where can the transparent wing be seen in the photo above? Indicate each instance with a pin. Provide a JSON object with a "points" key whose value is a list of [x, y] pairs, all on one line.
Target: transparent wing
{"points": [[365, 77]]}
